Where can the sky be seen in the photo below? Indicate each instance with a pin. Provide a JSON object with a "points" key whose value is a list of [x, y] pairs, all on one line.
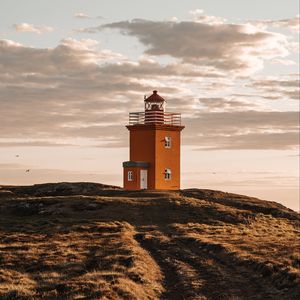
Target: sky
{"points": [[71, 71]]}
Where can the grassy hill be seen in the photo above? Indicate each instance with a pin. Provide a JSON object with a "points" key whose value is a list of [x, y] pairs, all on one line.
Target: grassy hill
{"points": [[93, 241]]}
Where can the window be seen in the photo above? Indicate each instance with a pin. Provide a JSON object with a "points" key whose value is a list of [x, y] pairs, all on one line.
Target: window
{"points": [[130, 175], [167, 142], [167, 174]]}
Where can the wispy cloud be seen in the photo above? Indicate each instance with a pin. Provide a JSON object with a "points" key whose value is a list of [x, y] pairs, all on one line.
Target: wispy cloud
{"points": [[81, 15], [199, 16], [26, 27], [287, 87], [243, 130], [228, 104], [85, 30], [293, 24], [284, 62]]}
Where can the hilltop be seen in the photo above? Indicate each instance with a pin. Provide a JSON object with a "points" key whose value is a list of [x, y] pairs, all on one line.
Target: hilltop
{"points": [[95, 241]]}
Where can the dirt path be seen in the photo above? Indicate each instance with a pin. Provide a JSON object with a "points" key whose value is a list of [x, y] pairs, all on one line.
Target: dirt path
{"points": [[196, 270]]}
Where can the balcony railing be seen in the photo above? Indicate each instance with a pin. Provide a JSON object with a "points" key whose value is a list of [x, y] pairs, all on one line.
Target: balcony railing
{"points": [[154, 117]]}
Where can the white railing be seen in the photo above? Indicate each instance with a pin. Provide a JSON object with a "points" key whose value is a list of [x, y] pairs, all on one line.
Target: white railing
{"points": [[154, 117]]}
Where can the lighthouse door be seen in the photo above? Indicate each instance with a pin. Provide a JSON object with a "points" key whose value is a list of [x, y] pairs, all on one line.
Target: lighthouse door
{"points": [[143, 176]]}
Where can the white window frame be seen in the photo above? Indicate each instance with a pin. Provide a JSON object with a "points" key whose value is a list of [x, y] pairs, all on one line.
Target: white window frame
{"points": [[168, 174], [130, 175], [168, 142]]}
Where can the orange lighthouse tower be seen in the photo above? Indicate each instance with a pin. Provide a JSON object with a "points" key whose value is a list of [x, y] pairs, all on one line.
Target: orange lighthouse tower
{"points": [[154, 148]]}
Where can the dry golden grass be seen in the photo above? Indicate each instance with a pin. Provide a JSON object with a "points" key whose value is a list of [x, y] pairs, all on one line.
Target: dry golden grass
{"points": [[193, 244]]}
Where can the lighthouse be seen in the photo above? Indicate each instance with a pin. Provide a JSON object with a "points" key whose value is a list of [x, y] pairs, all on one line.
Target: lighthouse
{"points": [[154, 141]]}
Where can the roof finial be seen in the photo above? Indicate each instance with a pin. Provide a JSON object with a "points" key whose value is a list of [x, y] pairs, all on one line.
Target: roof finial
{"points": [[155, 97]]}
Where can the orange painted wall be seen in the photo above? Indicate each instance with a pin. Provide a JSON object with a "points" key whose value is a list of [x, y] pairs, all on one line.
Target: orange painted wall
{"points": [[142, 148], [135, 183], [167, 158], [147, 143]]}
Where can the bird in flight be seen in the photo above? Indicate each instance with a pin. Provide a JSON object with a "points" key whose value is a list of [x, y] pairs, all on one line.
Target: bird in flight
{"points": [[27, 170], [17, 155]]}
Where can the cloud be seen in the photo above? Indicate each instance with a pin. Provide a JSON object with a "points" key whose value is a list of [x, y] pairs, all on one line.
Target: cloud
{"points": [[85, 30], [284, 62], [227, 104], [243, 130], [232, 47], [70, 54], [149, 68], [81, 15], [70, 90], [287, 87], [199, 16], [25, 27], [273, 82], [293, 24], [237, 122], [253, 141], [77, 91]]}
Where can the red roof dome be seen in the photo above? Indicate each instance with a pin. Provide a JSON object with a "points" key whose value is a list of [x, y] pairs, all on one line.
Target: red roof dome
{"points": [[154, 98]]}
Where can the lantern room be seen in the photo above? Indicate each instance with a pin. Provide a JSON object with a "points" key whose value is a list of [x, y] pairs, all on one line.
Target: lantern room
{"points": [[154, 102]]}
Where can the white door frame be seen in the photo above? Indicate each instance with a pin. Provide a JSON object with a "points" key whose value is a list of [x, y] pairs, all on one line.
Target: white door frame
{"points": [[143, 179]]}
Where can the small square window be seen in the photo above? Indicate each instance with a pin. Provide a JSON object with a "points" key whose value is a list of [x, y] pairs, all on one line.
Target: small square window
{"points": [[168, 174], [167, 142], [130, 175]]}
